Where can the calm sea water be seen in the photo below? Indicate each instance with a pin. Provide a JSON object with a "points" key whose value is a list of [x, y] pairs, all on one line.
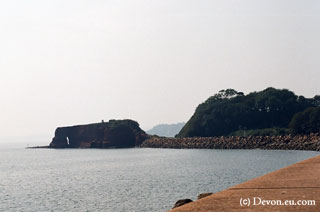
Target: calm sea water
{"points": [[125, 179]]}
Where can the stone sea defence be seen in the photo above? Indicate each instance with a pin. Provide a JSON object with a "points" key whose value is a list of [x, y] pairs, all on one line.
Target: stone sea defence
{"points": [[288, 142], [112, 134]]}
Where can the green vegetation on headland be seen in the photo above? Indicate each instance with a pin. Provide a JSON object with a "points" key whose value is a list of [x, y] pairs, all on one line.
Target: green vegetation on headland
{"points": [[306, 122], [268, 112]]}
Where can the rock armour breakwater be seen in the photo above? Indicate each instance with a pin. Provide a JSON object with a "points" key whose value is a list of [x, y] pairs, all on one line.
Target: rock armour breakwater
{"points": [[288, 142]]}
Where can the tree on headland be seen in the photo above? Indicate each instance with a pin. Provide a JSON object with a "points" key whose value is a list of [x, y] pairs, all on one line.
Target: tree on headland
{"points": [[229, 111], [306, 122]]}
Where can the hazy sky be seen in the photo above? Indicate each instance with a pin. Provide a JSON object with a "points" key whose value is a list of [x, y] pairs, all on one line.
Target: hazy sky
{"points": [[67, 62]]}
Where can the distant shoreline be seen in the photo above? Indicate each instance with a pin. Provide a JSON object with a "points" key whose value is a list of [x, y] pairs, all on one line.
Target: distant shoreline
{"points": [[37, 147], [309, 142]]}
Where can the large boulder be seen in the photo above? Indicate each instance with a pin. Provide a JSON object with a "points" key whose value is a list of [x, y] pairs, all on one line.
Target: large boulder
{"points": [[181, 202], [203, 195]]}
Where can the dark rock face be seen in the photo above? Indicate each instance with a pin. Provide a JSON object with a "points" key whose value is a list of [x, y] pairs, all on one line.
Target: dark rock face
{"points": [[112, 134], [181, 202]]}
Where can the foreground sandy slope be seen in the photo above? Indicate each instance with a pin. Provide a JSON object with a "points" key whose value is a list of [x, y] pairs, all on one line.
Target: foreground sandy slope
{"points": [[292, 185]]}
